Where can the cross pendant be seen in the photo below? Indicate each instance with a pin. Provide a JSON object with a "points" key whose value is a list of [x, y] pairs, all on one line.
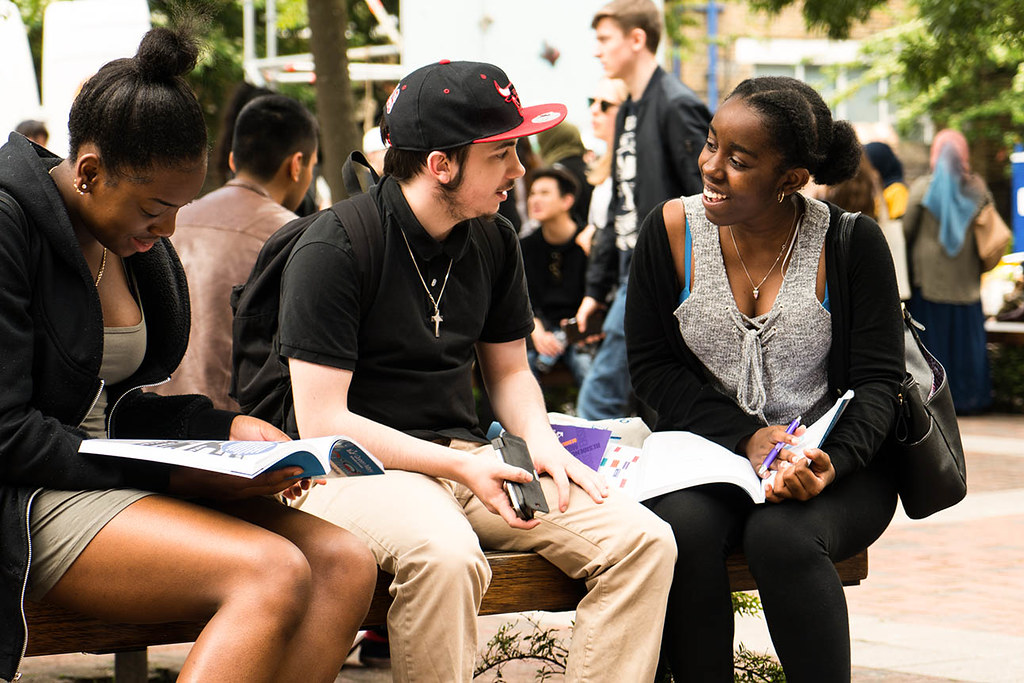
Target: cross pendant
{"points": [[436, 318]]}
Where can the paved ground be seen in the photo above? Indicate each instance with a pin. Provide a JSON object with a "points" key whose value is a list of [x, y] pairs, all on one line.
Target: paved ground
{"points": [[944, 599]]}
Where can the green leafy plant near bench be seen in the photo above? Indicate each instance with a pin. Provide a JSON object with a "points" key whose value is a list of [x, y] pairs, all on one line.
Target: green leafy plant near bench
{"points": [[543, 646], [1007, 364]]}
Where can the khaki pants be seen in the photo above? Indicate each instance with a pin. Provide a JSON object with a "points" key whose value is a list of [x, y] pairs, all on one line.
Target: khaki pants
{"points": [[428, 533]]}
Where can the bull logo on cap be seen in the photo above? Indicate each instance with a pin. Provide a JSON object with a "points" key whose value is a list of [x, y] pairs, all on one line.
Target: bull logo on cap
{"points": [[391, 99], [509, 93]]}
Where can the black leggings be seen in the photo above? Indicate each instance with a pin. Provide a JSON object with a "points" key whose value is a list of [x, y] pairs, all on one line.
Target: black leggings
{"points": [[790, 548]]}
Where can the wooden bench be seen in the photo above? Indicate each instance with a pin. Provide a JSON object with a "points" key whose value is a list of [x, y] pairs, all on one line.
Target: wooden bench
{"points": [[521, 582], [1009, 333]]}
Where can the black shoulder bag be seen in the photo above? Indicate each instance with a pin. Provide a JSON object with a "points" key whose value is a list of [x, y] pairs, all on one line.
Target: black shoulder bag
{"points": [[931, 473]]}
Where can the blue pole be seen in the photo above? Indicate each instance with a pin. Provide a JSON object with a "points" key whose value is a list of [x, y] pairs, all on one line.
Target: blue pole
{"points": [[713, 9], [1017, 199]]}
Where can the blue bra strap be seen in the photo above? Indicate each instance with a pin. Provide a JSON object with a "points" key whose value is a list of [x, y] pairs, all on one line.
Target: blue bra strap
{"points": [[686, 264]]}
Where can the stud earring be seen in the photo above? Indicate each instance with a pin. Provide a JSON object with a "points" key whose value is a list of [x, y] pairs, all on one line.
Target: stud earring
{"points": [[81, 187]]}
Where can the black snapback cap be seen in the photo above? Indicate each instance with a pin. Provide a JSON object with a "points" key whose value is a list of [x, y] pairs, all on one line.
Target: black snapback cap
{"points": [[450, 104]]}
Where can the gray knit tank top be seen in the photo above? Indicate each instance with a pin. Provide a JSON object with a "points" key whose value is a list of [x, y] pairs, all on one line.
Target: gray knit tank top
{"points": [[774, 365]]}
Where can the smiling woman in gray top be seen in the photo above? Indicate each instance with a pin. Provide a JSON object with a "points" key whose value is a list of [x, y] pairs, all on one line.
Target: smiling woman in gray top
{"points": [[737, 322]]}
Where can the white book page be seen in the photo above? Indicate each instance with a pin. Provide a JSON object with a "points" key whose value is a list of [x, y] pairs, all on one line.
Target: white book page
{"points": [[676, 460]]}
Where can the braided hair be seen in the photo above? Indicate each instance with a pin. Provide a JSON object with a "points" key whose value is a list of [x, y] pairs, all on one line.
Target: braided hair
{"points": [[139, 110], [801, 124]]}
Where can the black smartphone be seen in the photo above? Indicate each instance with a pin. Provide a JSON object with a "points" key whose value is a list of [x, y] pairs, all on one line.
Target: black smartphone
{"points": [[571, 327], [526, 498]]}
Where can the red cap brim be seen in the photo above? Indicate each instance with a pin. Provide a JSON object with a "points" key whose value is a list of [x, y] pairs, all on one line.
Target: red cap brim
{"points": [[536, 119]]}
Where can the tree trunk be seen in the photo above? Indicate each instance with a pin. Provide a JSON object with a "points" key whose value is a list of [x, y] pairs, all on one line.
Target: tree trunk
{"points": [[328, 20]]}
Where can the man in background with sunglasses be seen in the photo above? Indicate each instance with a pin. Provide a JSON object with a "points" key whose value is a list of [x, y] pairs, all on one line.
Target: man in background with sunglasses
{"points": [[659, 132]]}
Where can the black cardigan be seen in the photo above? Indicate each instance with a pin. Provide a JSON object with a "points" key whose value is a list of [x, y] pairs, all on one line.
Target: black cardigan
{"points": [[865, 311], [51, 346]]}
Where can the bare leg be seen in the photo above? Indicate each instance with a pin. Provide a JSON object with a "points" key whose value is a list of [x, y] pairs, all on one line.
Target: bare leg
{"points": [[163, 559], [344, 576]]}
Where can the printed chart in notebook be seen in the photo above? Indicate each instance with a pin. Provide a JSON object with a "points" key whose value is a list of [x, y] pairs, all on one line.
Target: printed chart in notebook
{"points": [[670, 461]]}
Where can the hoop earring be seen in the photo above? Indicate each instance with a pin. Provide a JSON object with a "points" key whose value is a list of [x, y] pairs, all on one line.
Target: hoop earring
{"points": [[782, 196]]}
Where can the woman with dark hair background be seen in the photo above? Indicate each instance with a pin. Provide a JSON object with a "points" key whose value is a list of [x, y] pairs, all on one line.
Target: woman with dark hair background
{"points": [[737, 323], [93, 308]]}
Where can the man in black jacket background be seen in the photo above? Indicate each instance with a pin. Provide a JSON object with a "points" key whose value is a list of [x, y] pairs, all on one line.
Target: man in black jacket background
{"points": [[659, 133]]}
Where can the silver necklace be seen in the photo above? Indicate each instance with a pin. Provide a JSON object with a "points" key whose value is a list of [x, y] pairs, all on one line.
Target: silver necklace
{"points": [[797, 221], [436, 318]]}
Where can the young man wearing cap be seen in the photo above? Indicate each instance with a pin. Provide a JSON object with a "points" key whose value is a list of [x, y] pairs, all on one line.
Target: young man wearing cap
{"points": [[659, 132], [398, 379]]}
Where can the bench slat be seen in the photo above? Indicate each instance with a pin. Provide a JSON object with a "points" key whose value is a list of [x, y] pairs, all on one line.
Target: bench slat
{"points": [[521, 582]]}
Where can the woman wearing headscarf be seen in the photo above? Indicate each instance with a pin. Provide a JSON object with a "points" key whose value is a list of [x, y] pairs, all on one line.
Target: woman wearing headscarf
{"points": [[946, 269]]}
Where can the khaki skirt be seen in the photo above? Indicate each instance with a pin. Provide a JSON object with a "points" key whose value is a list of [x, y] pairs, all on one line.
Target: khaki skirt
{"points": [[62, 524]]}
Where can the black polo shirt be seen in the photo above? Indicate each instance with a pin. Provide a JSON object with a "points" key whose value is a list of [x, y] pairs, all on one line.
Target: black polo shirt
{"points": [[404, 376], [556, 277]]}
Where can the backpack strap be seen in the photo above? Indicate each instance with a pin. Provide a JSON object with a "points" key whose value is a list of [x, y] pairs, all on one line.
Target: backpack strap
{"points": [[361, 219]]}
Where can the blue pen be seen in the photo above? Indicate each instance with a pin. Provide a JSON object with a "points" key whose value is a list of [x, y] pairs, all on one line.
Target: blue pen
{"points": [[778, 447]]}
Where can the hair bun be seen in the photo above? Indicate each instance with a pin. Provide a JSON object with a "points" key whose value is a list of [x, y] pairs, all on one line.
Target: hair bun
{"points": [[843, 156], [164, 54]]}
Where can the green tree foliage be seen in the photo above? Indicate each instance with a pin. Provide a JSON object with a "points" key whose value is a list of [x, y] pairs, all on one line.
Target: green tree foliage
{"points": [[961, 63], [835, 17]]}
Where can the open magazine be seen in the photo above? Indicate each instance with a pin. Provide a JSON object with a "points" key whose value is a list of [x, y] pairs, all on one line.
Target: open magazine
{"points": [[670, 461], [325, 456]]}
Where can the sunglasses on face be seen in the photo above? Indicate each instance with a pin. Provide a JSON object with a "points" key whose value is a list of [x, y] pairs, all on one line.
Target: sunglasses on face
{"points": [[605, 104]]}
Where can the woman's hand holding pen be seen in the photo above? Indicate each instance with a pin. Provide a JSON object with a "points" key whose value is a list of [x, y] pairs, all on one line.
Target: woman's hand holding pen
{"points": [[797, 477], [761, 442], [800, 477]]}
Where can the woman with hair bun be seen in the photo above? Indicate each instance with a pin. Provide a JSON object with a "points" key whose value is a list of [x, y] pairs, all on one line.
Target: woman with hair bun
{"points": [[739, 322], [93, 308]]}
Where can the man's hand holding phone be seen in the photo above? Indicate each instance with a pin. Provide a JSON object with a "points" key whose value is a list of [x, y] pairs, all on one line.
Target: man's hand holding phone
{"points": [[527, 498]]}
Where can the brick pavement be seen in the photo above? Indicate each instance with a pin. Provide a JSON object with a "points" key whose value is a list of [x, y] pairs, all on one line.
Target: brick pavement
{"points": [[942, 602], [944, 596]]}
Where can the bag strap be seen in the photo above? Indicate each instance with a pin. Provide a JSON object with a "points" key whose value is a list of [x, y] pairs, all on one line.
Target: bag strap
{"points": [[362, 222], [839, 296]]}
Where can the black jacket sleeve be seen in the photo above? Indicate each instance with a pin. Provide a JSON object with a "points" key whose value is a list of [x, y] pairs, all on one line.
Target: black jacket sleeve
{"points": [[603, 266], [684, 125], [145, 415]]}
